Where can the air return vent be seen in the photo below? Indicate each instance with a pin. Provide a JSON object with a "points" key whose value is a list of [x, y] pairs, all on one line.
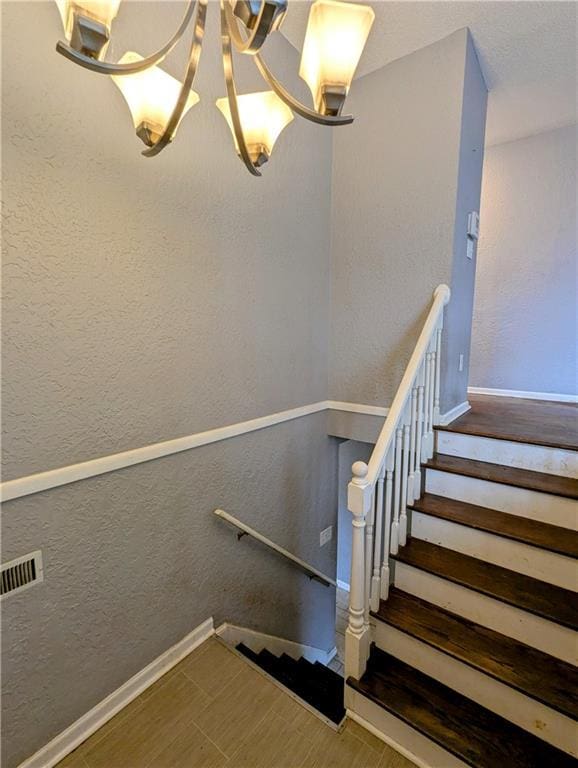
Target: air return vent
{"points": [[21, 573]]}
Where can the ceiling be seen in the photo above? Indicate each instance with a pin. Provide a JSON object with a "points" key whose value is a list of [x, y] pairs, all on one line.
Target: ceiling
{"points": [[527, 51]]}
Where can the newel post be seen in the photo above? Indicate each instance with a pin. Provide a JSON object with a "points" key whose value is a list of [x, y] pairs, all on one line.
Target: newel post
{"points": [[357, 633]]}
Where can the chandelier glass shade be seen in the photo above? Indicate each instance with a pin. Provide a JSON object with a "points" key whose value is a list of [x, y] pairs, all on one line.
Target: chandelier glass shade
{"points": [[334, 41]]}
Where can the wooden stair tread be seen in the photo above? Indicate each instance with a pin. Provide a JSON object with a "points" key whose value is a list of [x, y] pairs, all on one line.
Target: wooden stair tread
{"points": [[532, 595], [532, 672], [534, 422], [469, 731], [499, 473], [563, 541]]}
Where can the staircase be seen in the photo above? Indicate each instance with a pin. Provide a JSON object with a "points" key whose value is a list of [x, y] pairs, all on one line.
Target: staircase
{"points": [[313, 683], [461, 646]]}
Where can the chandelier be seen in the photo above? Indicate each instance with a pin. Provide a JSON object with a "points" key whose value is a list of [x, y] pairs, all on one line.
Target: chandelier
{"points": [[334, 40]]}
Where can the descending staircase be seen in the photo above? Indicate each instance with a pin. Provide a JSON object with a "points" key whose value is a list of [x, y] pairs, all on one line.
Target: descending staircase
{"points": [[314, 683], [474, 652]]}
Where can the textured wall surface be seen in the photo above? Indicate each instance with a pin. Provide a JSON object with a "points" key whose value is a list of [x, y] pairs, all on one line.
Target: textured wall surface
{"points": [[99, 242], [134, 560], [525, 319], [144, 300], [395, 187]]}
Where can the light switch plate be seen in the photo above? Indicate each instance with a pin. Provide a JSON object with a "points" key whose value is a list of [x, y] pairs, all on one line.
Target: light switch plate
{"points": [[325, 536]]}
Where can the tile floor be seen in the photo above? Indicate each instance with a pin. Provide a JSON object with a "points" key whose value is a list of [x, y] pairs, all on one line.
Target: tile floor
{"points": [[214, 710]]}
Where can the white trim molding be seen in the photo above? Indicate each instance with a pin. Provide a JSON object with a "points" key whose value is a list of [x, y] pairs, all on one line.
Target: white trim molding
{"points": [[63, 744], [43, 481], [368, 410], [232, 635], [553, 396], [458, 410]]}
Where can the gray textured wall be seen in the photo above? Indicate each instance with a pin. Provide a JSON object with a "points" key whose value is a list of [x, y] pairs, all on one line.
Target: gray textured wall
{"points": [[397, 175], [525, 320], [144, 300], [99, 242]]}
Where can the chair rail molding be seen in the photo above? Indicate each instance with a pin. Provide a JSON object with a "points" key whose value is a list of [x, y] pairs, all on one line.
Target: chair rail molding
{"points": [[72, 473]]}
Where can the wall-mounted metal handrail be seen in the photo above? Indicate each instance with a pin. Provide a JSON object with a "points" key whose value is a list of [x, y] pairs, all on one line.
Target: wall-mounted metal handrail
{"points": [[312, 572]]}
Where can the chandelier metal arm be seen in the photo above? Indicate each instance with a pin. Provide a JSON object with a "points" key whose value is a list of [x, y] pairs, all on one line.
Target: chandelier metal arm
{"points": [[252, 44], [128, 68], [274, 84], [293, 103], [232, 92], [194, 56]]}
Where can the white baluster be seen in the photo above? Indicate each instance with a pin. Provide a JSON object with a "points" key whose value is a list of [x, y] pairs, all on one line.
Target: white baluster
{"points": [[419, 430], [436, 411], [430, 434], [387, 521], [413, 417], [404, 476], [375, 579], [396, 492], [357, 634], [369, 520], [426, 401]]}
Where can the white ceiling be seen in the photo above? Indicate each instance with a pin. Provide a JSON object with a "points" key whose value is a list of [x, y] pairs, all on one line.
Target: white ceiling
{"points": [[527, 51]]}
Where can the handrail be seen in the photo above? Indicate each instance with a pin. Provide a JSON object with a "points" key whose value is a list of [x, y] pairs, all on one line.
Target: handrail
{"points": [[441, 298], [312, 572], [381, 491]]}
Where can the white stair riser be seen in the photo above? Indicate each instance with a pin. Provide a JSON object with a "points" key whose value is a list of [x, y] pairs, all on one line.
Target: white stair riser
{"points": [[529, 714], [540, 633], [534, 505], [395, 732], [538, 458], [532, 561]]}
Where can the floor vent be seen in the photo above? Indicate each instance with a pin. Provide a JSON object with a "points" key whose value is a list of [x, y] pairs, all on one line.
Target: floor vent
{"points": [[21, 573]]}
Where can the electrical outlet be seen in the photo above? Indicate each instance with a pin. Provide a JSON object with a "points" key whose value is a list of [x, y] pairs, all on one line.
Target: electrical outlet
{"points": [[461, 363], [325, 536]]}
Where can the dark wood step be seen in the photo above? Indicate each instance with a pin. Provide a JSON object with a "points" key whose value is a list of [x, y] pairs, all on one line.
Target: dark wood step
{"points": [[532, 672], [534, 422], [563, 541], [472, 733], [319, 686], [498, 473], [532, 595]]}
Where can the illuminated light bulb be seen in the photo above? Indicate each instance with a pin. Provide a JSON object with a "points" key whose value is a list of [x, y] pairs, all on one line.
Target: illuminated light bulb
{"points": [[263, 116], [334, 41], [87, 24], [151, 97]]}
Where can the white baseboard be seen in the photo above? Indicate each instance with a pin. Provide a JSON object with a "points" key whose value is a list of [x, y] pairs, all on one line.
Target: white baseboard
{"points": [[343, 585], [63, 744], [368, 410], [553, 396], [449, 416], [256, 641]]}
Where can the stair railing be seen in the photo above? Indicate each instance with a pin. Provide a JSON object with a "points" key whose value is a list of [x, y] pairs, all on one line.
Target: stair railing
{"points": [[380, 491], [246, 530]]}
